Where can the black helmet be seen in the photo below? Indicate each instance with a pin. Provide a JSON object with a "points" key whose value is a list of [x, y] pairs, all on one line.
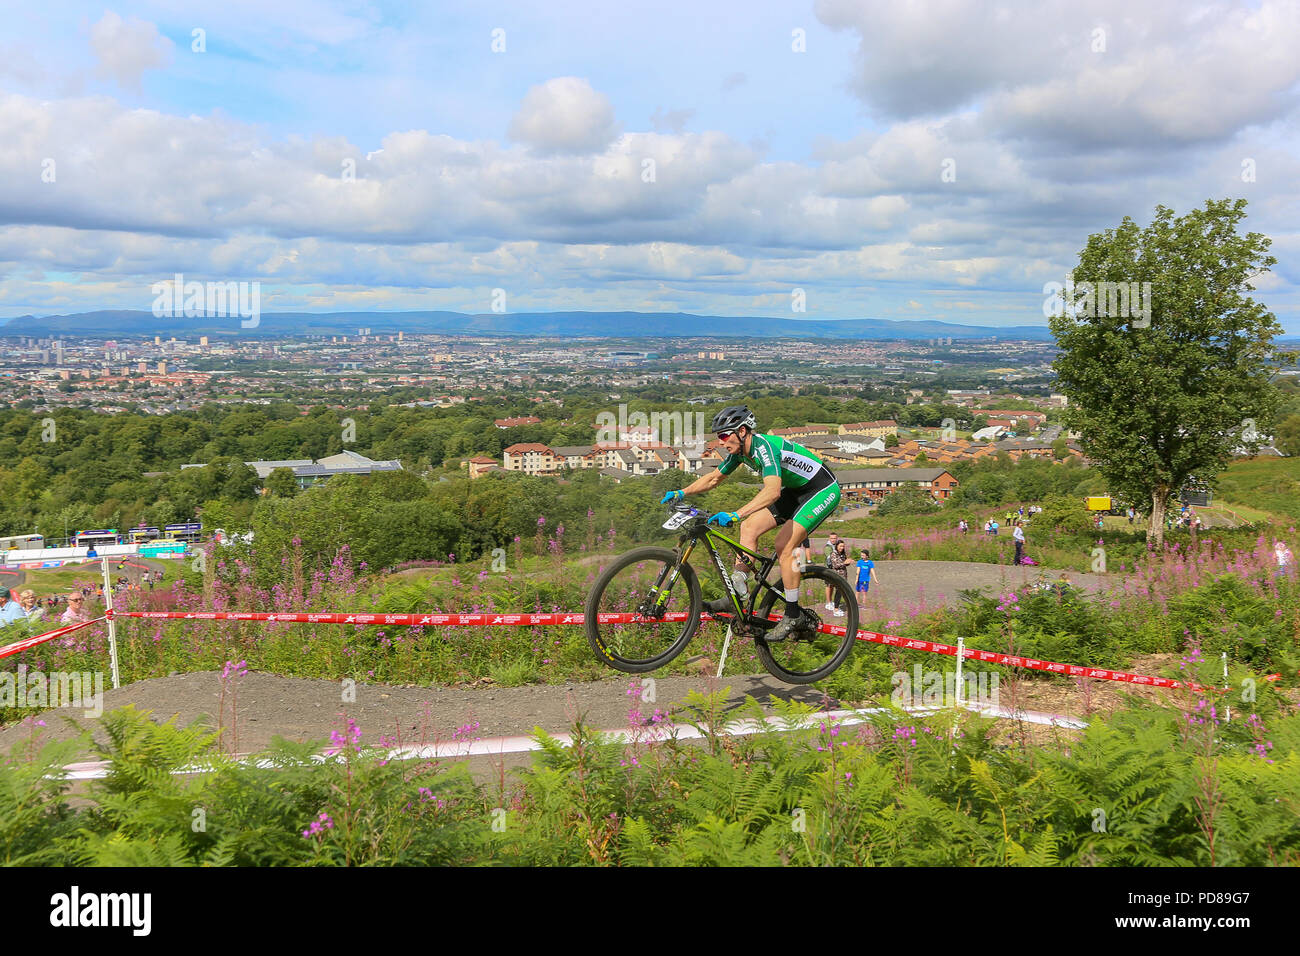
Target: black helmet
{"points": [[731, 418]]}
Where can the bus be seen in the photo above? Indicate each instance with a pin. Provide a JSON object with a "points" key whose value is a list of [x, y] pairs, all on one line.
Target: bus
{"points": [[21, 542], [95, 539], [190, 532]]}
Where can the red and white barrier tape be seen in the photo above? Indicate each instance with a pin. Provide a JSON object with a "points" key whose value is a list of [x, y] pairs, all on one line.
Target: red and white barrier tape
{"points": [[18, 646], [492, 620]]}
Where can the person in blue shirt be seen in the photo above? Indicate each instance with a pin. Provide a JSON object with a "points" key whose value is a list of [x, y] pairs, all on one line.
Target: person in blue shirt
{"points": [[10, 610], [866, 573]]}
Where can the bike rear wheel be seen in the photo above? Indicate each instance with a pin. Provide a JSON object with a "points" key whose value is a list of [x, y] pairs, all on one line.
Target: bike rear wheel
{"points": [[627, 625], [804, 659]]}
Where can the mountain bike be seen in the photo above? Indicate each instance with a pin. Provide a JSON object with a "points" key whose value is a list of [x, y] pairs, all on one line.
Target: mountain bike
{"points": [[645, 607]]}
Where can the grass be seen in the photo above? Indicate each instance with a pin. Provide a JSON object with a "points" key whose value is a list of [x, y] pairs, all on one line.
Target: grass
{"points": [[1270, 484], [1244, 512]]}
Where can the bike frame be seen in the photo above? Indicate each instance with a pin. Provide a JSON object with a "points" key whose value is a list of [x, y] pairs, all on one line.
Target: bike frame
{"points": [[759, 564]]}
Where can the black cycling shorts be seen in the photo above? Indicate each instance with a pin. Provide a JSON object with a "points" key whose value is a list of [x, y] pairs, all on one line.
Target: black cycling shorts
{"points": [[810, 504]]}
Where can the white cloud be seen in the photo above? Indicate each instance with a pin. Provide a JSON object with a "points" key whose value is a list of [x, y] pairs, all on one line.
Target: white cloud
{"points": [[1105, 75], [126, 48], [564, 115]]}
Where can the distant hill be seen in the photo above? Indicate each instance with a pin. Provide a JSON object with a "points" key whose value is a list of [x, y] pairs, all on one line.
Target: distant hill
{"points": [[111, 324]]}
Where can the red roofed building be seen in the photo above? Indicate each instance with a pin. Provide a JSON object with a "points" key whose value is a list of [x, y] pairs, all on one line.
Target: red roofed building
{"points": [[516, 422], [877, 429], [481, 464], [532, 458]]}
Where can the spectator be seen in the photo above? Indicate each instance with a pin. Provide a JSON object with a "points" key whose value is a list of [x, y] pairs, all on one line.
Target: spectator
{"points": [[1019, 535], [11, 611], [76, 612], [962, 526], [866, 573], [988, 526], [995, 528], [1285, 559], [837, 560], [32, 606]]}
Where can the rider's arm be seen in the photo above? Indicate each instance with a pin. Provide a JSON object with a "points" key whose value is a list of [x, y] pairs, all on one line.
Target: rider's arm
{"points": [[704, 483], [765, 498]]}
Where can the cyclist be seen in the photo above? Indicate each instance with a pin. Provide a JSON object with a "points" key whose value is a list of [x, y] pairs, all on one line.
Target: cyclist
{"points": [[796, 485]]}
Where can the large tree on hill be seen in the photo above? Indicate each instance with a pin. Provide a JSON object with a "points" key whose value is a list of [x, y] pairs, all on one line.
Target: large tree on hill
{"points": [[1165, 395]]}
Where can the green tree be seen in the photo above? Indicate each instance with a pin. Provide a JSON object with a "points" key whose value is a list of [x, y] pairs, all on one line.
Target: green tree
{"points": [[281, 483], [1165, 397], [1288, 435], [908, 500]]}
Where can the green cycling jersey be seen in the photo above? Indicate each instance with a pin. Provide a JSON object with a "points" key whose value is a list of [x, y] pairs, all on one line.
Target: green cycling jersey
{"points": [[774, 455]]}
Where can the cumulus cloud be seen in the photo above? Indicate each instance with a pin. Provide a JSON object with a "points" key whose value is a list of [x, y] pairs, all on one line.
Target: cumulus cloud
{"points": [[126, 48], [564, 115], [1007, 141], [1104, 75], [670, 121]]}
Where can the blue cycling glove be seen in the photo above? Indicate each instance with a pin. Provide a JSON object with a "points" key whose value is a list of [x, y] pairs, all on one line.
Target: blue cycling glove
{"points": [[673, 496], [723, 518]]}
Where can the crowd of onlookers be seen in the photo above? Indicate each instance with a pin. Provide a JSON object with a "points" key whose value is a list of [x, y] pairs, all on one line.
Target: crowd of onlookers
{"points": [[860, 574], [66, 608], [26, 606]]}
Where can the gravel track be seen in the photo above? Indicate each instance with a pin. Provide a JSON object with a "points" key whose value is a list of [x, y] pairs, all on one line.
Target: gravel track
{"points": [[307, 709]]}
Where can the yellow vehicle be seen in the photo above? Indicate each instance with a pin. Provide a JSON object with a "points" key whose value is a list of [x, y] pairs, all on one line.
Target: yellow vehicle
{"points": [[1102, 504]]}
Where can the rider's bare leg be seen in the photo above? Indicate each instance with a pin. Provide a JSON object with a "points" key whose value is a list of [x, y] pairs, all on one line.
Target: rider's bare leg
{"points": [[792, 534], [753, 528]]}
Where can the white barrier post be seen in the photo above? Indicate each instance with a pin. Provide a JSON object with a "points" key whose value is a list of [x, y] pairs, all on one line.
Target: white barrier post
{"points": [[957, 689], [1227, 708], [722, 661], [961, 656], [112, 625]]}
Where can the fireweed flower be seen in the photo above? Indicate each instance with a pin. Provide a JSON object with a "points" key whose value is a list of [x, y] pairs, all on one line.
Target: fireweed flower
{"points": [[342, 739], [319, 826], [905, 735]]}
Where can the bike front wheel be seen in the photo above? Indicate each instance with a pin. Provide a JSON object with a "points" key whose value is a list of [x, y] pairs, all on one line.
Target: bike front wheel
{"points": [[643, 610], [805, 658]]}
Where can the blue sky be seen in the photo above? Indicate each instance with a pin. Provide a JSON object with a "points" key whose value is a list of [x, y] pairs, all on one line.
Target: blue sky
{"points": [[930, 160]]}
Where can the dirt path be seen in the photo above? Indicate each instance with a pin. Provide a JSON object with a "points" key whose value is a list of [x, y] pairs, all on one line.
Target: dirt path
{"points": [[300, 709], [907, 585], [308, 710]]}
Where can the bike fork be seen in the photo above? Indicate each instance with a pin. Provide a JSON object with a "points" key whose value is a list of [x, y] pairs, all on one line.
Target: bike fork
{"points": [[661, 590]]}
